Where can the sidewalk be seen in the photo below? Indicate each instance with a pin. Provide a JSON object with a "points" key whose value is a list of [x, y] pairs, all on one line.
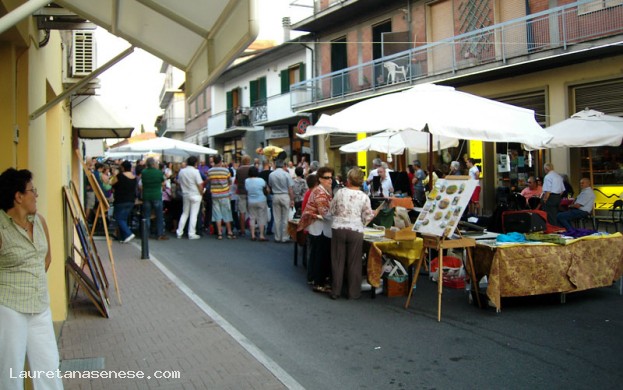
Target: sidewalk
{"points": [[157, 328]]}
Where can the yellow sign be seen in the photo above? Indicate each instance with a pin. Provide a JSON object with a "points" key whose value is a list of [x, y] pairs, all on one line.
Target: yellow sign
{"points": [[362, 157], [606, 195], [475, 152]]}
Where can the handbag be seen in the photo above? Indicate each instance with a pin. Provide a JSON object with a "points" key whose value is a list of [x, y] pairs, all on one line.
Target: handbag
{"points": [[385, 217]]}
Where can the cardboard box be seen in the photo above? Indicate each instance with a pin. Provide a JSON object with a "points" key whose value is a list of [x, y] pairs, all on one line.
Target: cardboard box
{"points": [[397, 286], [405, 234]]}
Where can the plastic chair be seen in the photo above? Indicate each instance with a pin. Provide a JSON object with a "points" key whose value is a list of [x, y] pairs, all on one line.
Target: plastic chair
{"points": [[615, 218], [393, 70]]}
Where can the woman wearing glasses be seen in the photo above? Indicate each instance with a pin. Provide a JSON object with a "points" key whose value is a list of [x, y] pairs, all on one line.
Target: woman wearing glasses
{"points": [[351, 212], [25, 318], [317, 219]]}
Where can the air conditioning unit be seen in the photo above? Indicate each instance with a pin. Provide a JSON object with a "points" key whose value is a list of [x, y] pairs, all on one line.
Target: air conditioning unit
{"points": [[83, 58]]}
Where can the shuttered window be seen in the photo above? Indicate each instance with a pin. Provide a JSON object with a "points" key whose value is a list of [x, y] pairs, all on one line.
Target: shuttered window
{"points": [[606, 96], [534, 100]]}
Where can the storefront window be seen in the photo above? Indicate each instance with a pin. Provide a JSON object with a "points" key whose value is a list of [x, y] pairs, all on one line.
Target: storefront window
{"points": [[607, 164]]}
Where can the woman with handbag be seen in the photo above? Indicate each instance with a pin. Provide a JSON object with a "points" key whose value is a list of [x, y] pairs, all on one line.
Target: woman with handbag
{"points": [[316, 219]]}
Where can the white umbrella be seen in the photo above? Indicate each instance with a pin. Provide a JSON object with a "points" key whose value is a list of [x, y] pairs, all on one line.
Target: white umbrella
{"points": [[443, 110], [395, 142], [587, 128], [163, 145]]}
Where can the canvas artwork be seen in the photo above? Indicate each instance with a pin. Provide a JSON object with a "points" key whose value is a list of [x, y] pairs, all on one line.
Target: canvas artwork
{"points": [[444, 206]]}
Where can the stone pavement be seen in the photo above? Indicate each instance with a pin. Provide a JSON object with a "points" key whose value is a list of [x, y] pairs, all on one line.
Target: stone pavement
{"points": [[158, 329]]}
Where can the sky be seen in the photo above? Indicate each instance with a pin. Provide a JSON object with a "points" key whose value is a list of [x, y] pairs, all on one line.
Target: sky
{"points": [[134, 83]]}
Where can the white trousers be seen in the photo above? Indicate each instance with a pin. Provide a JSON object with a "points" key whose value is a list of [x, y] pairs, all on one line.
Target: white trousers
{"points": [[190, 211], [29, 335]]}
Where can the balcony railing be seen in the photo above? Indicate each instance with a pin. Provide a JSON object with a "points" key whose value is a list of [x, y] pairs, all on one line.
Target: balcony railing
{"points": [[559, 27]]}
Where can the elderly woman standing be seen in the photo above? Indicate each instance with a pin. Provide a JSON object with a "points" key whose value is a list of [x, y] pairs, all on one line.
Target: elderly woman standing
{"points": [[351, 212], [25, 319], [317, 220]]}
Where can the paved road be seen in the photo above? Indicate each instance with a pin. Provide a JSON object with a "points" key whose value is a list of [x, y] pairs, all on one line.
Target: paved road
{"points": [[376, 344]]}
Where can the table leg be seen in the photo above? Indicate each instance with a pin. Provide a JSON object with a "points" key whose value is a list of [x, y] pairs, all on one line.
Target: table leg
{"points": [[296, 253], [416, 274], [439, 282]]}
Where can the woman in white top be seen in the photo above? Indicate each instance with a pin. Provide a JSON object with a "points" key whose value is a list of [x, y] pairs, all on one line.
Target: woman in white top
{"points": [[351, 212]]}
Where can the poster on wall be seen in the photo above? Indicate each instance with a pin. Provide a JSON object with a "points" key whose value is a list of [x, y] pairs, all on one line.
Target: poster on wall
{"points": [[444, 206]]}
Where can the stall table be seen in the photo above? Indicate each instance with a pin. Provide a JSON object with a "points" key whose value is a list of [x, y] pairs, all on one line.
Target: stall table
{"points": [[540, 268]]}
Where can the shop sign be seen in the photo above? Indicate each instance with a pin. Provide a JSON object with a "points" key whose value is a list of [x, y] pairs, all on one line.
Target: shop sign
{"points": [[277, 132], [301, 126]]}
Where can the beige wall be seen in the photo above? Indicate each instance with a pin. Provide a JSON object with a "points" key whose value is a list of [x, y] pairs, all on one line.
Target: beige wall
{"points": [[30, 77]]}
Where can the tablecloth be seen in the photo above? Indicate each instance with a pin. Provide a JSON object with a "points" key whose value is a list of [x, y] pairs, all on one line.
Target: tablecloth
{"points": [[407, 252]]}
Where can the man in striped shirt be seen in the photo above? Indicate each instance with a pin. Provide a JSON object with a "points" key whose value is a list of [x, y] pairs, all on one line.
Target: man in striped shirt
{"points": [[220, 178]]}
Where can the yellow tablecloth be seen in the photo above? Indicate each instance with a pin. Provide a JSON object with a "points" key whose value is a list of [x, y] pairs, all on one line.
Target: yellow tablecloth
{"points": [[532, 269], [407, 252]]}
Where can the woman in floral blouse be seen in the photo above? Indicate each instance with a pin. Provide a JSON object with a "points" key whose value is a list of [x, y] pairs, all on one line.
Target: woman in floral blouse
{"points": [[351, 212]]}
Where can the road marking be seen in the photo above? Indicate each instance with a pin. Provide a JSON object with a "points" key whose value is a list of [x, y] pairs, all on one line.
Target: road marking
{"points": [[244, 342]]}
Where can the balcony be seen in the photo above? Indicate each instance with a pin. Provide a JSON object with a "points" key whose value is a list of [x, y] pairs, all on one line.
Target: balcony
{"points": [[539, 36]]}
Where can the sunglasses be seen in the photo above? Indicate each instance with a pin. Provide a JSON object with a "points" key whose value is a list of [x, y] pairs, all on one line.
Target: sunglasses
{"points": [[326, 177]]}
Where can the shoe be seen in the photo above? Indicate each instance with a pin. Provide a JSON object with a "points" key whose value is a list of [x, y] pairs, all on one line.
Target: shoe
{"points": [[129, 238], [231, 237], [194, 237], [163, 238], [178, 236], [285, 240], [263, 239], [333, 296]]}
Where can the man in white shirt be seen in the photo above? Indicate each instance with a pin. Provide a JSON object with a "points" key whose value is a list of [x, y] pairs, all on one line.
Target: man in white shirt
{"points": [[580, 208], [191, 183], [387, 186], [553, 186]]}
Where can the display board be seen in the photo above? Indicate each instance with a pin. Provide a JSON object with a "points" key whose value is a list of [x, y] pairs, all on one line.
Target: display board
{"points": [[444, 206]]}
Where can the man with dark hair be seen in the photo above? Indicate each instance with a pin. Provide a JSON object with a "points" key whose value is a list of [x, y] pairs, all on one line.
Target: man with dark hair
{"points": [[219, 177], [281, 184], [152, 179], [191, 183]]}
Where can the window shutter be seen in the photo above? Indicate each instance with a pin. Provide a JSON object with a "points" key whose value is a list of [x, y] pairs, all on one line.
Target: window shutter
{"points": [[262, 89], [606, 96], [302, 71], [285, 81], [253, 92], [230, 101]]}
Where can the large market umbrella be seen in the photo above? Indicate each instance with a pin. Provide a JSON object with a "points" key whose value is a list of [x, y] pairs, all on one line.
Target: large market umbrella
{"points": [[442, 110], [587, 128], [396, 141], [164, 145]]}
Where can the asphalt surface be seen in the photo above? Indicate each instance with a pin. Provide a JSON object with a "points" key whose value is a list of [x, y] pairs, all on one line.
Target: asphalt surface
{"points": [[535, 342]]}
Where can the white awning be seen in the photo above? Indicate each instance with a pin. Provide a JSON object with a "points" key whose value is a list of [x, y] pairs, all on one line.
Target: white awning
{"points": [[95, 118], [199, 37]]}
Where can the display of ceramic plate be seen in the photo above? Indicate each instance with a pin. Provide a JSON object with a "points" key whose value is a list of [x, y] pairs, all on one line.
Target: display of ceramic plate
{"points": [[444, 203], [451, 189]]}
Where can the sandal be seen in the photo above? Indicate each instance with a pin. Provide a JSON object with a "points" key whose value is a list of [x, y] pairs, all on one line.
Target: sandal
{"points": [[252, 238], [263, 239], [219, 237], [231, 237]]}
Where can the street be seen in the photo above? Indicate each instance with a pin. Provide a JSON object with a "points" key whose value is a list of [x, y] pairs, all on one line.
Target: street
{"points": [[535, 342]]}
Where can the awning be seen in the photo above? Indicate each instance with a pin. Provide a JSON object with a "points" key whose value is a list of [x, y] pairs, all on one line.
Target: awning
{"points": [[233, 132], [95, 118], [199, 37]]}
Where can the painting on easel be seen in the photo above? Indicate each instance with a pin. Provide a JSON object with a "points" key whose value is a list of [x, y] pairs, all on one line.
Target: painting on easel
{"points": [[444, 206]]}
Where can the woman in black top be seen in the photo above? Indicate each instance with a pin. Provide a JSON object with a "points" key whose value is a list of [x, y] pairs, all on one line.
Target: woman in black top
{"points": [[124, 187]]}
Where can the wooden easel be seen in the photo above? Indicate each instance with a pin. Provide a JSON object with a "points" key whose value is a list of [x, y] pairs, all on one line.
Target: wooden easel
{"points": [[101, 211], [435, 239], [441, 243]]}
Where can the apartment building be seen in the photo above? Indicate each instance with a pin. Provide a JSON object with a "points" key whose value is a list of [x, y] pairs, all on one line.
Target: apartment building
{"points": [[554, 57]]}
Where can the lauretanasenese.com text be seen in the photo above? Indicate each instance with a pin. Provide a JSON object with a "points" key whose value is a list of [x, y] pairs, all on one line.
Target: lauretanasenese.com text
{"points": [[95, 374]]}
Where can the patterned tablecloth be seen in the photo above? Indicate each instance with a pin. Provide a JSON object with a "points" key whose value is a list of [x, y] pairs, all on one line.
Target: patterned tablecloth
{"points": [[532, 269], [407, 252]]}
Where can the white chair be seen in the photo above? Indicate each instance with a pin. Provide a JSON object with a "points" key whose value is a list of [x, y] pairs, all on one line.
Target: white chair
{"points": [[393, 70]]}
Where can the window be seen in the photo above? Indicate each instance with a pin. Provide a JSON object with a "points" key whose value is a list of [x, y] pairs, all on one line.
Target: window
{"points": [[292, 75]]}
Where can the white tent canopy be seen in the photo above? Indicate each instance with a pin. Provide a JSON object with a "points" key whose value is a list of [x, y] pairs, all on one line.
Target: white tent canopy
{"points": [[443, 110], [395, 142], [163, 145]]}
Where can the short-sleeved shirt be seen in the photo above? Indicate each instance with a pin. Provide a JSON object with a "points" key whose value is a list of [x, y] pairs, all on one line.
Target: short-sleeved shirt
{"points": [[280, 182], [23, 283], [529, 193], [188, 179], [474, 174], [219, 182], [300, 188], [586, 199], [241, 175], [152, 180], [255, 190], [125, 189], [553, 183]]}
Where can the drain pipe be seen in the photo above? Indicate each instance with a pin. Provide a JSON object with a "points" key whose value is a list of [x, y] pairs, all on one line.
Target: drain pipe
{"points": [[22, 12]]}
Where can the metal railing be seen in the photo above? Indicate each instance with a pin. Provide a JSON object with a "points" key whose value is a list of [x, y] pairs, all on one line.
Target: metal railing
{"points": [[557, 28]]}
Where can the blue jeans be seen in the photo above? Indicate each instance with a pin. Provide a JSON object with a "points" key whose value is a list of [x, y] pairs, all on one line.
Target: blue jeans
{"points": [[565, 218], [121, 213], [156, 205]]}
